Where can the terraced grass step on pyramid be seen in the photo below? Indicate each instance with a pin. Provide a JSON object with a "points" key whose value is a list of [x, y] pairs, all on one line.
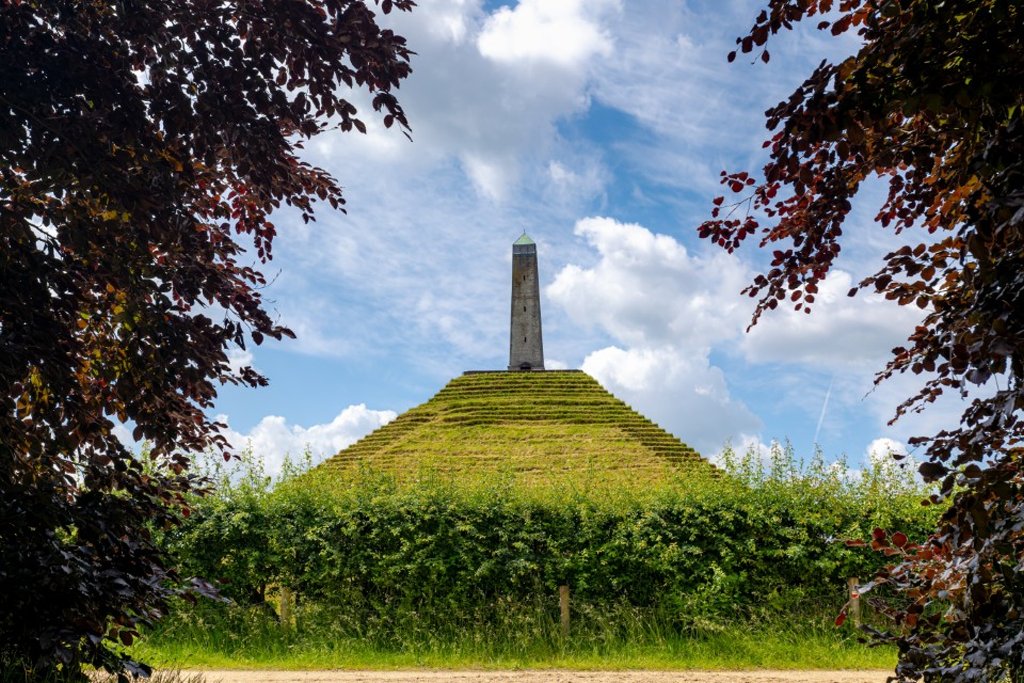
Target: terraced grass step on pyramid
{"points": [[539, 427]]}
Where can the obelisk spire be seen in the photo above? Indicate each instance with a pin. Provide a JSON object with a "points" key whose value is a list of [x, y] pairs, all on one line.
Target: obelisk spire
{"points": [[526, 347]]}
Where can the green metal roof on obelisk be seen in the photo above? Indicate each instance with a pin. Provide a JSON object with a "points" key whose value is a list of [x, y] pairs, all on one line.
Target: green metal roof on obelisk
{"points": [[542, 426]]}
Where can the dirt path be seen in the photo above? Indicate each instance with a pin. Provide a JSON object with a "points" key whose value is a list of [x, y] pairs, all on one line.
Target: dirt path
{"points": [[547, 676]]}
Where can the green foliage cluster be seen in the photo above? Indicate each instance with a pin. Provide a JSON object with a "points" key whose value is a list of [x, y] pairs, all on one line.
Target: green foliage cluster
{"points": [[143, 145], [404, 567], [931, 103]]}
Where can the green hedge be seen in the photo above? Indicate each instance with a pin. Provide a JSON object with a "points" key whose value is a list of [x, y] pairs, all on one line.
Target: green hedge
{"points": [[767, 536]]}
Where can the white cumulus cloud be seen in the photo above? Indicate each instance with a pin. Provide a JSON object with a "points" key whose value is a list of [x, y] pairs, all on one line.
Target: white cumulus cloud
{"points": [[238, 359], [681, 392], [487, 91], [647, 290], [841, 331], [273, 438], [665, 308], [561, 33], [882, 450]]}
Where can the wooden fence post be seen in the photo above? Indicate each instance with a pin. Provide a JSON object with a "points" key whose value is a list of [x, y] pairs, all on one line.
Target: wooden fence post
{"points": [[285, 601], [563, 604], [854, 595]]}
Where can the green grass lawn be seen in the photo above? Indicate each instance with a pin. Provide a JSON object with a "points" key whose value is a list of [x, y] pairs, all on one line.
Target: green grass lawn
{"points": [[778, 647]]}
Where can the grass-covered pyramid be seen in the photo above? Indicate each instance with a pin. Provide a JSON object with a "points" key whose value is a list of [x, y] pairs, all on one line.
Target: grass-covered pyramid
{"points": [[540, 427]]}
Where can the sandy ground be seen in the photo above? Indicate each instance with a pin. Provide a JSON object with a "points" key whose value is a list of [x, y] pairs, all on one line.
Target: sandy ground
{"points": [[547, 676]]}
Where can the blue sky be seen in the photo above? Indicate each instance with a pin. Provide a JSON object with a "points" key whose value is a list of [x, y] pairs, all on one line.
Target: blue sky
{"points": [[599, 127]]}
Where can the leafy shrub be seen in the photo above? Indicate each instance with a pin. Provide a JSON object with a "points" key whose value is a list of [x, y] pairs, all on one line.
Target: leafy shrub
{"points": [[390, 561]]}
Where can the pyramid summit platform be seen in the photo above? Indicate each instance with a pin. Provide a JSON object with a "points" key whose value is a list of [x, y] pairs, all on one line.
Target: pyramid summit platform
{"points": [[541, 427]]}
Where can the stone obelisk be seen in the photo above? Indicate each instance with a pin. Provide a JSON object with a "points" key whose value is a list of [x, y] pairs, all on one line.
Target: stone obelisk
{"points": [[526, 348]]}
